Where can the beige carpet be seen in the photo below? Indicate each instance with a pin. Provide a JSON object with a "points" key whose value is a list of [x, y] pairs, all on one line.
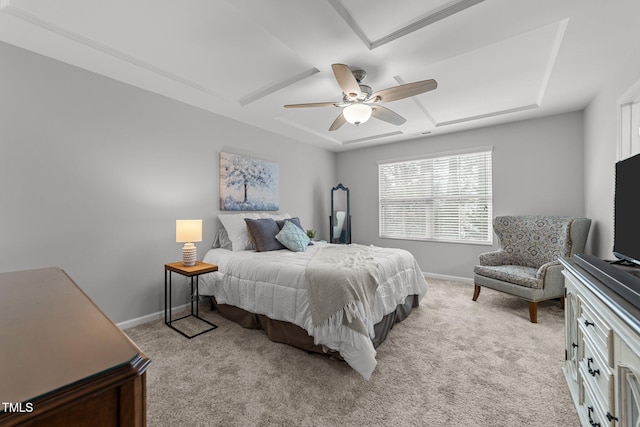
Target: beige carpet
{"points": [[453, 362]]}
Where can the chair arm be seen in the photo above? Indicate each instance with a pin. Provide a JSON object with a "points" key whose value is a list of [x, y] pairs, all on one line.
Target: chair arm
{"points": [[553, 280], [499, 257], [553, 267]]}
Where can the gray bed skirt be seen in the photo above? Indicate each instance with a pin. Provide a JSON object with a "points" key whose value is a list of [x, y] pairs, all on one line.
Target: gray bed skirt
{"points": [[288, 333]]}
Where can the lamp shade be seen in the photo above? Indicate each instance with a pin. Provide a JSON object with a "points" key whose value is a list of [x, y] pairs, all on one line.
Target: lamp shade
{"points": [[357, 113], [188, 230]]}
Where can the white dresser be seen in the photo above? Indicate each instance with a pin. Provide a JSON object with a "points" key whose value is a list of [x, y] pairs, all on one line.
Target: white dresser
{"points": [[602, 343]]}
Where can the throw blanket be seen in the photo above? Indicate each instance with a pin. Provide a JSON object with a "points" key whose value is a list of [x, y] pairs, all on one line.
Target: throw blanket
{"points": [[342, 282]]}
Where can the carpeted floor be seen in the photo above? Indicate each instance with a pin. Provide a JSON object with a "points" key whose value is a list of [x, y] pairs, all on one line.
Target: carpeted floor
{"points": [[453, 362]]}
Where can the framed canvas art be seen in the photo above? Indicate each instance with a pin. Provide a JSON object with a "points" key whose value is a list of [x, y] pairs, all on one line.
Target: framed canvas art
{"points": [[248, 184]]}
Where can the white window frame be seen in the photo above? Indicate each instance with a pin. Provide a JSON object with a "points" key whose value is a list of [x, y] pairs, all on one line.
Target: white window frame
{"points": [[628, 133], [629, 141], [427, 194]]}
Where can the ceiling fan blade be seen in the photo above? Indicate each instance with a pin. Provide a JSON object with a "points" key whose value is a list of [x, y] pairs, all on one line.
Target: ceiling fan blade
{"points": [[339, 121], [347, 82], [312, 104], [404, 91], [386, 115]]}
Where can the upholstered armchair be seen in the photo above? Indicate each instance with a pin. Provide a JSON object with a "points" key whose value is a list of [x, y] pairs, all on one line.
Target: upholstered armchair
{"points": [[526, 264]]}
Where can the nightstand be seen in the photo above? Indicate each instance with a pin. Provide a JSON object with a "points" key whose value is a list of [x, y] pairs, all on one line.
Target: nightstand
{"points": [[193, 271]]}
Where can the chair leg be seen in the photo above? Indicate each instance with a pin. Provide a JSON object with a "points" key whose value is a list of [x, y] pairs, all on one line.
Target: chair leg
{"points": [[562, 302], [476, 292], [533, 311]]}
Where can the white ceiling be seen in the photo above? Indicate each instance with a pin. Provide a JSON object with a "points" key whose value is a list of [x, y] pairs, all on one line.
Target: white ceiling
{"points": [[494, 60]]}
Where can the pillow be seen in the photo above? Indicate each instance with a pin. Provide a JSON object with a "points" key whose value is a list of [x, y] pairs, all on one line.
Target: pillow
{"points": [[295, 220], [222, 239], [263, 233], [237, 230], [293, 237], [275, 216]]}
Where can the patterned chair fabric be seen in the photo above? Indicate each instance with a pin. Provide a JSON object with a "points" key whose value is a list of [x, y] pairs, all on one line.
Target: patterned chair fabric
{"points": [[526, 264], [533, 240], [518, 274], [527, 243]]}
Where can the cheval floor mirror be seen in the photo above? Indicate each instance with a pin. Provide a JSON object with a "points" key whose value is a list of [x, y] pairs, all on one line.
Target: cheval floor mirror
{"points": [[340, 219]]}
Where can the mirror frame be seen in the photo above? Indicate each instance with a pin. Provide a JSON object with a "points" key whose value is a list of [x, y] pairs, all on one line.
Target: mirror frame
{"points": [[348, 214]]}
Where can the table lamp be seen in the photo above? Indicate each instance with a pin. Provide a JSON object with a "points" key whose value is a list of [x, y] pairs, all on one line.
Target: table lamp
{"points": [[187, 232]]}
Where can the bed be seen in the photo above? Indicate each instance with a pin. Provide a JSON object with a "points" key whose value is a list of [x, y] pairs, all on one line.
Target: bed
{"points": [[330, 298]]}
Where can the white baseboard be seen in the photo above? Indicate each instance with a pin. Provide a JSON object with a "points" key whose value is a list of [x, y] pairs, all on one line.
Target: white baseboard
{"points": [[447, 277], [150, 317]]}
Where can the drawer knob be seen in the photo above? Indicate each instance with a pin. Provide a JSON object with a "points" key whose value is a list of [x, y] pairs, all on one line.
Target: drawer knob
{"points": [[592, 371], [574, 345], [587, 323], [611, 417]]}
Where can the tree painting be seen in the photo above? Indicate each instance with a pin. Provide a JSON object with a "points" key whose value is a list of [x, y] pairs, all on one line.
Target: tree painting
{"points": [[248, 184]]}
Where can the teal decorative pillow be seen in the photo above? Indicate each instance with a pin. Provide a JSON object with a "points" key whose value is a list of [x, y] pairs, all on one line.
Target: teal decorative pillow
{"points": [[293, 237]]}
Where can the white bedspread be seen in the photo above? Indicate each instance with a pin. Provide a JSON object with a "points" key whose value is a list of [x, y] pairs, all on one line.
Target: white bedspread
{"points": [[274, 284]]}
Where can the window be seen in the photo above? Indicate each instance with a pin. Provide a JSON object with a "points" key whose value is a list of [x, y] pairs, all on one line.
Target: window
{"points": [[445, 198], [629, 143]]}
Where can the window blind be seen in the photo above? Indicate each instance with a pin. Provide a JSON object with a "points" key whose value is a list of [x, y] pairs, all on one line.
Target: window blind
{"points": [[444, 198]]}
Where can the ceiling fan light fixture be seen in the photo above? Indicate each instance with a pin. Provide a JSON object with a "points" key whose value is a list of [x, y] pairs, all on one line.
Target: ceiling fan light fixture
{"points": [[357, 113]]}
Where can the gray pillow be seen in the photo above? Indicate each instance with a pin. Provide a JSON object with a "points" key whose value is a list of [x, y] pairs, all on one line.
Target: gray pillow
{"points": [[263, 234], [295, 220]]}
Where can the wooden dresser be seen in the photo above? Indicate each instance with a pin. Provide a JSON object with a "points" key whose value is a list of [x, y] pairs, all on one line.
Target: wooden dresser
{"points": [[602, 344], [62, 361]]}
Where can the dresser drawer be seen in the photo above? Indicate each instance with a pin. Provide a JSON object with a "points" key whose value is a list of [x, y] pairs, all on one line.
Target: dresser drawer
{"points": [[590, 412], [597, 375], [597, 330]]}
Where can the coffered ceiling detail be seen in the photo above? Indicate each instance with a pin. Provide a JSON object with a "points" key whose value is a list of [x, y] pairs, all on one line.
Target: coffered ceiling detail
{"points": [[494, 60], [378, 23]]}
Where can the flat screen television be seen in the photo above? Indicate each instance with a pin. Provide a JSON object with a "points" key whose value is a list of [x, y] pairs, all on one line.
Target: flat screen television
{"points": [[626, 225]]}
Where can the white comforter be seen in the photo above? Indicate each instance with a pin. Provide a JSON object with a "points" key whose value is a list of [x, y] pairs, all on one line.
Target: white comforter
{"points": [[273, 284]]}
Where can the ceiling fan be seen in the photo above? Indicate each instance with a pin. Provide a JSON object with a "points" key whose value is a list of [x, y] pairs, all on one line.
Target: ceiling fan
{"points": [[359, 102]]}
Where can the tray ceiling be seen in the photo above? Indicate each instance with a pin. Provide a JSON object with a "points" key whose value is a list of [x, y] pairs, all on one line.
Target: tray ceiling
{"points": [[494, 60]]}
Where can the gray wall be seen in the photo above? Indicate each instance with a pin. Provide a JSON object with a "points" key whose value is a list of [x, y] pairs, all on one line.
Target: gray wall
{"points": [[601, 154], [537, 169], [94, 174]]}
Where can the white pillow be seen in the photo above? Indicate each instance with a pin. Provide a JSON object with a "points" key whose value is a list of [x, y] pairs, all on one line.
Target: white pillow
{"points": [[275, 216], [237, 228]]}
